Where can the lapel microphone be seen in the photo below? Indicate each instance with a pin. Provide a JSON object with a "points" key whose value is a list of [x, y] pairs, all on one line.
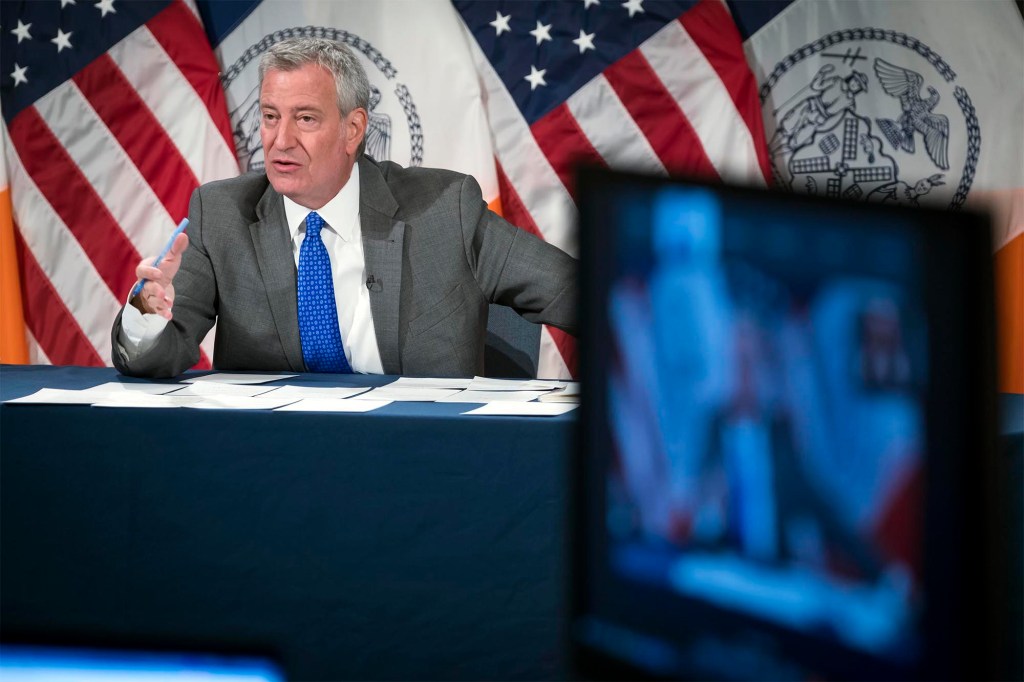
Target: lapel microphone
{"points": [[374, 284]]}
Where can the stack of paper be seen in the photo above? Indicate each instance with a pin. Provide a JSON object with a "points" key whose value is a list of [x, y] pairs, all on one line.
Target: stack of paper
{"points": [[333, 405], [390, 392], [488, 384], [228, 378], [522, 409], [569, 394], [473, 396], [512, 397], [250, 392]]}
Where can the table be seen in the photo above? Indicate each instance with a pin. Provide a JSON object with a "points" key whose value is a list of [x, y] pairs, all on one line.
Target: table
{"points": [[405, 543]]}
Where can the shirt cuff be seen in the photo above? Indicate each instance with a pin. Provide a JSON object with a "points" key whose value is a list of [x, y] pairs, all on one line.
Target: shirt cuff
{"points": [[139, 331]]}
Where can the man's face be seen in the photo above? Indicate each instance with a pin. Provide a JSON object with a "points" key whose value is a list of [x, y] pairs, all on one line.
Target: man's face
{"points": [[308, 145]]}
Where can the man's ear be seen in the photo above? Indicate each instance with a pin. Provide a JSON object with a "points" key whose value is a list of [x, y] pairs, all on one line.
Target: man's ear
{"points": [[355, 129]]}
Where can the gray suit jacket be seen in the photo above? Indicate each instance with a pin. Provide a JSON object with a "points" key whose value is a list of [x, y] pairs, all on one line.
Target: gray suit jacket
{"points": [[436, 254]]}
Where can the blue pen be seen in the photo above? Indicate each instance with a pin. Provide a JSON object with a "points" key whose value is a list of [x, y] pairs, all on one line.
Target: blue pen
{"points": [[170, 242]]}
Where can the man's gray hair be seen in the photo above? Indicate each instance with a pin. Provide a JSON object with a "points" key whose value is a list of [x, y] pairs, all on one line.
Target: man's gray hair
{"points": [[350, 81]]}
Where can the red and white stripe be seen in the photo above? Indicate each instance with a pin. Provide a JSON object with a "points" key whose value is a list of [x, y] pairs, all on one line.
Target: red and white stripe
{"points": [[101, 169], [684, 102]]}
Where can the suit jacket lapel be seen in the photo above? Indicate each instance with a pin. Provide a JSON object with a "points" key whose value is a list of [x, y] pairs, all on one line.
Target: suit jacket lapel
{"points": [[270, 237], [383, 237]]}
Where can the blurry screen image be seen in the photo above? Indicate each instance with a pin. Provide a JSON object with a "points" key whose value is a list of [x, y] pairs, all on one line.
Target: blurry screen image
{"points": [[785, 464], [765, 394], [767, 418]]}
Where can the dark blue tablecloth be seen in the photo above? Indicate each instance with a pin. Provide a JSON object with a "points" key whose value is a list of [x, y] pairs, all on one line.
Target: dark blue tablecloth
{"points": [[406, 543]]}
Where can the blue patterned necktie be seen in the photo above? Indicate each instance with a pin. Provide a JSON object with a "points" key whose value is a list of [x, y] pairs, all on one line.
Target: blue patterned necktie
{"points": [[318, 314]]}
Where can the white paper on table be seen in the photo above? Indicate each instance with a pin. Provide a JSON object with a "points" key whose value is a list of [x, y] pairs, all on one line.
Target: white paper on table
{"points": [[569, 394], [333, 405], [226, 390], [228, 378], [225, 402], [488, 384], [429, 382], [303, 392], [406, 395], [492, 396], [512, 409], [118, 388], [56, 396], [147, 400]]}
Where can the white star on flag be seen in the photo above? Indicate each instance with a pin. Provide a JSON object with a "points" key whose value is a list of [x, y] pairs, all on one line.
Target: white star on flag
{"points": [[500, 23], [105, 6], [541, 33], [634, 7], [588, 3], [536, 77], [65, 3], [19, 74], [585, 41], [62, 40], [22, 31]]}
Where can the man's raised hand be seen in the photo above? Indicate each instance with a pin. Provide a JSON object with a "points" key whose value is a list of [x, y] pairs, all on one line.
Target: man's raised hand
{"points": [[157, 294]]}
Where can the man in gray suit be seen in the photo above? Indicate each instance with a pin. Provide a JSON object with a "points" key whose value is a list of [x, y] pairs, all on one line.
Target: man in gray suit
{"points": [[414, 256]]}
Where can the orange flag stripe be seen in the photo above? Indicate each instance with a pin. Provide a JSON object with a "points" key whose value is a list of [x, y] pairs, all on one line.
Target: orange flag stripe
{"points": [[13, 346]]}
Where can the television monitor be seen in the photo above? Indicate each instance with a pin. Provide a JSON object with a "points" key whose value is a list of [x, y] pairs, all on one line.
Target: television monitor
{"points": [[785, 467]]}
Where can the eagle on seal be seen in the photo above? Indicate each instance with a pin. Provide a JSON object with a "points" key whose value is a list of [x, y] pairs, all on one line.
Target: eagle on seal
{"points": [[917, 116]]}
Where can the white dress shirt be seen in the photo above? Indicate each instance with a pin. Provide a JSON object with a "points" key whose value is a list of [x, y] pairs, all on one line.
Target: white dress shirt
{"points": [[342, 235]]}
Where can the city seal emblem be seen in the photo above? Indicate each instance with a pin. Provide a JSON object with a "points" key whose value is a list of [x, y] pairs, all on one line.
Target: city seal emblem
{"points": [[874, 115]]}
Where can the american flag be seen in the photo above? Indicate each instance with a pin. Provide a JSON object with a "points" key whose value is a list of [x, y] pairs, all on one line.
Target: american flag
{"points": [[113, 113], [656, 86]]}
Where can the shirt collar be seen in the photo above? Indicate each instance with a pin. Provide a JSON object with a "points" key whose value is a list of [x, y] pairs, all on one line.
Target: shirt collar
{"points": [[341, 213]]}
